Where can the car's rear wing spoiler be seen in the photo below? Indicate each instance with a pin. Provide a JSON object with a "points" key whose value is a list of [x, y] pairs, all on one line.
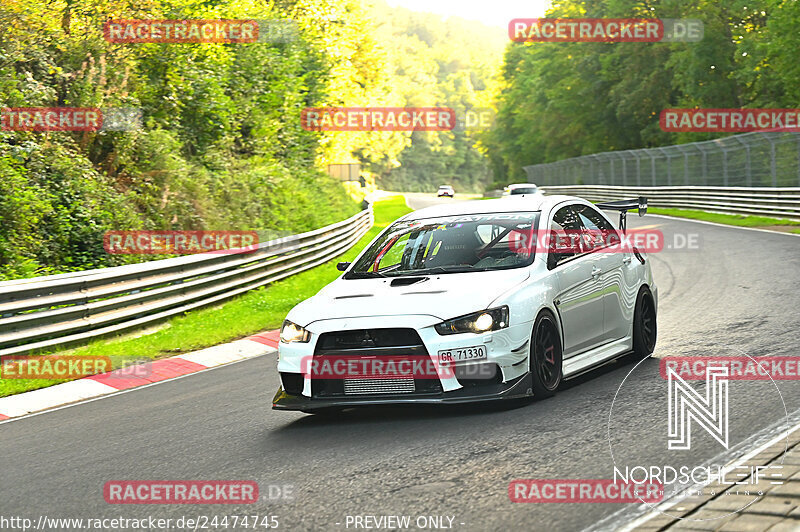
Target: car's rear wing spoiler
{"points": [[623, 206]]}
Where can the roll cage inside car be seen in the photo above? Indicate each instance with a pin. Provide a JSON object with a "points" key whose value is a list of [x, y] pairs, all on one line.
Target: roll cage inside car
{"points": [[452, 244], [589, 230]]}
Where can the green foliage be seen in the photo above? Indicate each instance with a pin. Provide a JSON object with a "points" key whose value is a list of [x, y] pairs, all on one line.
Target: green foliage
{"points": [[434, 62], [221, 147], [727, 219], [561, 100]]}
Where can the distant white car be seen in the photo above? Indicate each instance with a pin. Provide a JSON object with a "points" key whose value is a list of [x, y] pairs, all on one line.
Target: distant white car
{"points": [[445, 190], [469, 290], [521, 188]]}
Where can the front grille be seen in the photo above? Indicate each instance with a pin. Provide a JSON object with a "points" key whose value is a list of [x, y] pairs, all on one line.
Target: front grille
{"points": [[378, 386], [372, 343], [361, 339]]}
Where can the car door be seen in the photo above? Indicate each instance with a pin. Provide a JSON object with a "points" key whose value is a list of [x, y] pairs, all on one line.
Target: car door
{"points": [[579, 299], [601, 241]]}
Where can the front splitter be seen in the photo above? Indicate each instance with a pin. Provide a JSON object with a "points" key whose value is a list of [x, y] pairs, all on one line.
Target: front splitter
{"points": [[516, 389]]}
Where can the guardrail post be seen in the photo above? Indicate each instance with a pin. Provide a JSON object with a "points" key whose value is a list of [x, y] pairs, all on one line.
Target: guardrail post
{"points": [[725, 167], [611, 177], [669, 170], [624, 171], [772, 163], [748, 168], [638, 171], [686, 168], [705, 168]]}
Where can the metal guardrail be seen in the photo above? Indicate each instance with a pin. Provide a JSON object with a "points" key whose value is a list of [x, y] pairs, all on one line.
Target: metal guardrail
{"points": [[43, 312], [759, 201]]}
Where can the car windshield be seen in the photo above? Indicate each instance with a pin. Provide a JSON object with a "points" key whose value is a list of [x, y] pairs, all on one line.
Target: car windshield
{"points": [[450, 244], [524, 190]]}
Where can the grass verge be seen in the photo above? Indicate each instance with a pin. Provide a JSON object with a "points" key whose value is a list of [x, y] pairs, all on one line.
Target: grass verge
{"points": [[728, 219], [258, 310]]}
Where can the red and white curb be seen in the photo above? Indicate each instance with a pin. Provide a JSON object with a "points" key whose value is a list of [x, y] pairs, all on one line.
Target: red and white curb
{"points": [[159, 370]]}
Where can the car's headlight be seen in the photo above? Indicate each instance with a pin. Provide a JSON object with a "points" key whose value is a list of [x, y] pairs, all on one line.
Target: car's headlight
{"points": [[477, 322], [291, 332]]}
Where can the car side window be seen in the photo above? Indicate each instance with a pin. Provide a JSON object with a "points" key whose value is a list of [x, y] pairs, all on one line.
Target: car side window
{"points": [[564, 237], [598, 232]]}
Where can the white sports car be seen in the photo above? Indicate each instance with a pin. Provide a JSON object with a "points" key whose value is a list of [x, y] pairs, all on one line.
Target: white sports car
{"points": [[472, 301], [445, 190], [521, 188]]}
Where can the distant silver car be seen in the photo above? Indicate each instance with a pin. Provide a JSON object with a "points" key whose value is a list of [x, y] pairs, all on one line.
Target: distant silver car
{"points": [[446, 190], [521, 188]]}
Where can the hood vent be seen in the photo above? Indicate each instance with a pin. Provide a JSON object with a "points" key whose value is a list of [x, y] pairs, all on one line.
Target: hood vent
{"points": [[353, 296], [405, 281]]}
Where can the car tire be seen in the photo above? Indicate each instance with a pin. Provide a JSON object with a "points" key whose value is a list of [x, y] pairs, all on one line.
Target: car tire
{"points": [[645, 327], [545, 356]]}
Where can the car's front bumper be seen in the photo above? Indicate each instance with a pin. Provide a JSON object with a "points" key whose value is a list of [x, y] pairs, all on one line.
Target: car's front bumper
{"points": [[506, 361], [519, 388]]}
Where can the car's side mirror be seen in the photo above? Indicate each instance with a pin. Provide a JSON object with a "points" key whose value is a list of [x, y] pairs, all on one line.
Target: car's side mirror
{"points": [[342, 266]]}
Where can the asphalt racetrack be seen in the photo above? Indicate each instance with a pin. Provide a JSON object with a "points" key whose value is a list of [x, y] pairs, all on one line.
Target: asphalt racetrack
{"points": [[736, 288]]}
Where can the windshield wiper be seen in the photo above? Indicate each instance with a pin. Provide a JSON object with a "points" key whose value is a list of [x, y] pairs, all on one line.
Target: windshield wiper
{"points": [[453, 268], [364, 275]]}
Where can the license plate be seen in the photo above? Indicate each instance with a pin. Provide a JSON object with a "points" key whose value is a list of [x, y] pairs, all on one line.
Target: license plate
{"points": [[462, 354]]}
